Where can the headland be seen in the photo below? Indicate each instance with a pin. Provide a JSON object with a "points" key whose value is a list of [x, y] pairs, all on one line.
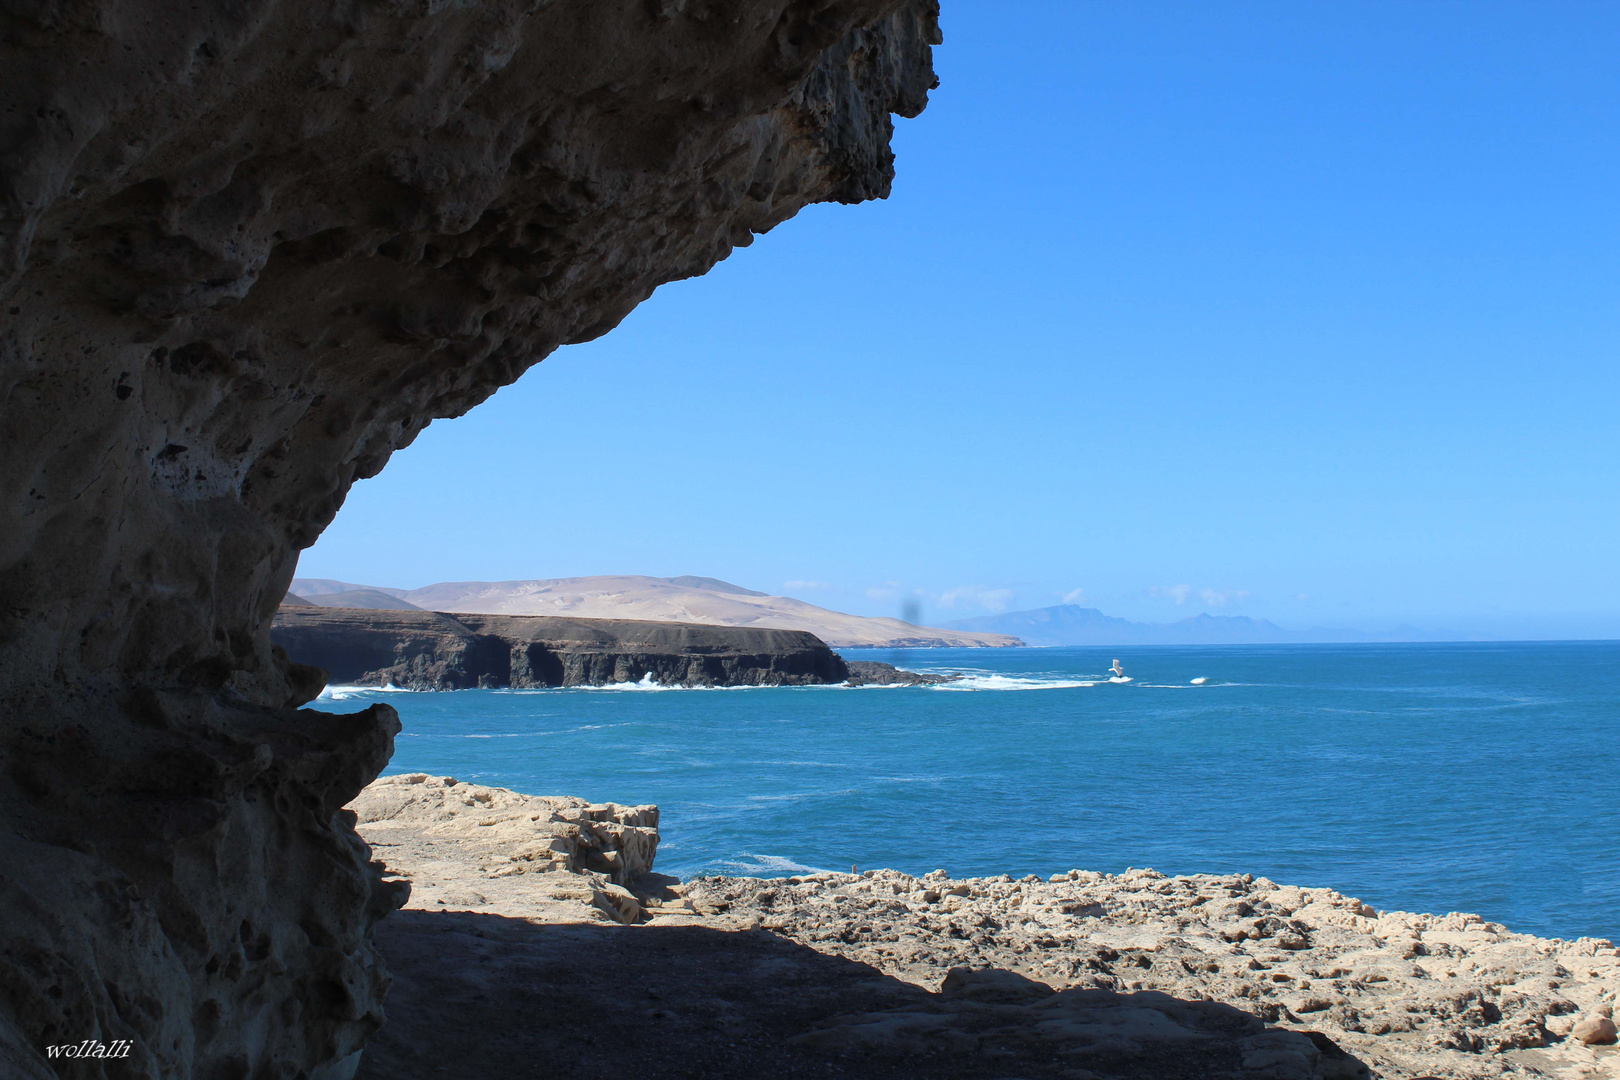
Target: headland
{"points": [[430, 650]]}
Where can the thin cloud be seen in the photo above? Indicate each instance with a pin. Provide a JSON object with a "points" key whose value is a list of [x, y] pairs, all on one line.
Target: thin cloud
{"points": [[1218, 598], [996, 600], [1075, 596], [1178, 593], [818, 586], [887, 593]]}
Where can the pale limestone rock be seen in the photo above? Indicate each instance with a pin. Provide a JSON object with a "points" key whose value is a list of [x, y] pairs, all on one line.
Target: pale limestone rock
{"points": [[1104, 969], [462, 844], [1594, 1031], [1407, 994]]}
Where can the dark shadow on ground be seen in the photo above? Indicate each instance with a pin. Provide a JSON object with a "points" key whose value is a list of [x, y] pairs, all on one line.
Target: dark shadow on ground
{"points": [[486, 996]]}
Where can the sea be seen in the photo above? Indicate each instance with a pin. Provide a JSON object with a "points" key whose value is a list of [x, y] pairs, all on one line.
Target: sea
{"points": [[1420, 777]]}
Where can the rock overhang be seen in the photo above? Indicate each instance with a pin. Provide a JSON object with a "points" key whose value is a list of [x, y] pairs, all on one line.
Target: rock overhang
{"points": [[248, 250]]}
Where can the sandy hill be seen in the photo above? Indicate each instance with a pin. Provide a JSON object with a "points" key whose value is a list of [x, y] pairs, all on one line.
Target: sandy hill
{"points": [[362, 598], [678, 599]]}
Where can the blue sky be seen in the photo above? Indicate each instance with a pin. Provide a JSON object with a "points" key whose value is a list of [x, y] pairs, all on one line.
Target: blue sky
{"points": [[1300, 311]]}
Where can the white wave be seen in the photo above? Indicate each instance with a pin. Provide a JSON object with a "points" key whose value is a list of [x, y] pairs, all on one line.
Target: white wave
{"points": [[768, 864], [1120, 679], [1010, 682], [647, 683], [343, 692]]}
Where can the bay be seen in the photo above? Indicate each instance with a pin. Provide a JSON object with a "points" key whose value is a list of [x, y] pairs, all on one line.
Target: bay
{"points": [[1424, 777]]}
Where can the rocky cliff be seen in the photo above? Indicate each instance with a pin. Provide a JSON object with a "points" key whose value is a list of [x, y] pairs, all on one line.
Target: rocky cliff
{"points": [[428, 650], [247, 250]]}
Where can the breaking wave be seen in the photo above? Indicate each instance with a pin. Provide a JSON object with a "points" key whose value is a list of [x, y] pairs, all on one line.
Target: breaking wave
{"points": [[1010, 682], [748, 864], [345, 693]]}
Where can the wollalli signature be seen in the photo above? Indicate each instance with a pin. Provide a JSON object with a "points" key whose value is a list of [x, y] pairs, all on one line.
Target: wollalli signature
{"points": [[90, 1048]]}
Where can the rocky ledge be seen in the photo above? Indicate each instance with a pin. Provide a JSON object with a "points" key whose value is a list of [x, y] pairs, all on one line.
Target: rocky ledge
{"points": [[873, 673], [429, 650], [536, 926], [465, 845], [1410, 995]]}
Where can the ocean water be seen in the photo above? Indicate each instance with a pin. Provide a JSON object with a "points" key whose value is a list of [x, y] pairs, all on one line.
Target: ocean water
{"points": [[1468, 777]]}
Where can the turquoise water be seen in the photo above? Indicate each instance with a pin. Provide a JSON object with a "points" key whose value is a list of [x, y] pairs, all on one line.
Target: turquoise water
{"points": [[1477, 777]]}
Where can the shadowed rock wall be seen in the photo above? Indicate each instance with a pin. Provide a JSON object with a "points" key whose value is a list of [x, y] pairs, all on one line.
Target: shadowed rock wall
{"points": [[247, 250]]}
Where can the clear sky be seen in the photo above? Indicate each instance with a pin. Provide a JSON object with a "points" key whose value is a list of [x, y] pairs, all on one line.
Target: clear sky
{"points": [[1306, 311]]}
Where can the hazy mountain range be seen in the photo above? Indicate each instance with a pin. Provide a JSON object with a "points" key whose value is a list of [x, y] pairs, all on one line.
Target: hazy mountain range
{"points": [[677, 599], [710, 600], [1070, 624]]}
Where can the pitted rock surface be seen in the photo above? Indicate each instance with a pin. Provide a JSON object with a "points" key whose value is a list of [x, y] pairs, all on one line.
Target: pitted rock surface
{"points": [[882, 974], [466, 846], [1409, 995], [247, 250], [511, 939]]}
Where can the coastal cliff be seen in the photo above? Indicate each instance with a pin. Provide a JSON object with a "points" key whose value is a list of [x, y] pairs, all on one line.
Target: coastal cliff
{"points": [[247, 251], [428, 650]]}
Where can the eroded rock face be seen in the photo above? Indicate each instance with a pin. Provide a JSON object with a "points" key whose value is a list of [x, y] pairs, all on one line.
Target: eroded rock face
{"points": [[246, 251], [469, 847], [249, 250]]}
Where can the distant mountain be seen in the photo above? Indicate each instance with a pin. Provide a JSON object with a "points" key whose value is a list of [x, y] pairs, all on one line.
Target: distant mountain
{"points": [[311, 587], [361, 598], [679, 599], [1070, 624]]}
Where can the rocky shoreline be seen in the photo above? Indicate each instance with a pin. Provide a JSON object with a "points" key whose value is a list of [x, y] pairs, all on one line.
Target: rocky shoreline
{"points": [[1082, 975]]}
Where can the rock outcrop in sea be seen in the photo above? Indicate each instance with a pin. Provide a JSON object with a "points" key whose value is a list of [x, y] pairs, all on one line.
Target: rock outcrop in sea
{"points": [[247, 251]]}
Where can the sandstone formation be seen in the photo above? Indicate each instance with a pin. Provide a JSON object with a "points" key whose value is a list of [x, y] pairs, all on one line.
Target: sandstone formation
{"points": [[465, 845], [686, 598], [426, 650], [247, 250], [880, 974], [507, 863], [884, 974], [1409, 995]]}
